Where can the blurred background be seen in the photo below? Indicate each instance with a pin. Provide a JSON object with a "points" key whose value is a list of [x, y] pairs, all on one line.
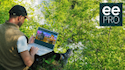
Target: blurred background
{"points": [[77, 22]]}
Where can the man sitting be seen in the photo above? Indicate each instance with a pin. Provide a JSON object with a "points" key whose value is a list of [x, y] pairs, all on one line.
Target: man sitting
{"points": [[14, 54]]}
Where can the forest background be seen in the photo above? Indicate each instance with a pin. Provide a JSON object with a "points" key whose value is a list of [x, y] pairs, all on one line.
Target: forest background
{"points": [[77, 22]]}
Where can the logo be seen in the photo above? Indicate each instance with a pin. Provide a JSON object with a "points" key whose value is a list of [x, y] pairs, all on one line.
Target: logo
{"points": [[110, 14]]}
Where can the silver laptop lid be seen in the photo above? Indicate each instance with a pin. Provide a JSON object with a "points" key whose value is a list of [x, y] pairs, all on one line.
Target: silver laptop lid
{"points": [[46, 38]]}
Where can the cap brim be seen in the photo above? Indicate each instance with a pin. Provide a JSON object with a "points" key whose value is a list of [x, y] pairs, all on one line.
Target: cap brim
{"points": [[27, 17]]}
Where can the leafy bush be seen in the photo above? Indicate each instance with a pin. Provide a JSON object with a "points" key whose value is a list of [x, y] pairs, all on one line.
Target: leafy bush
{"points": [[94, 47]]}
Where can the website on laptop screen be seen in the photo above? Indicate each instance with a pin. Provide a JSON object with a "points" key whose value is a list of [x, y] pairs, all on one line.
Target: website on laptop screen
{"points": [[46, 38]]}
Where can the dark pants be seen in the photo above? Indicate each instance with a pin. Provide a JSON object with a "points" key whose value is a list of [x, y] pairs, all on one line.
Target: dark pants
{"points": [[1, 68], [39, 59]]}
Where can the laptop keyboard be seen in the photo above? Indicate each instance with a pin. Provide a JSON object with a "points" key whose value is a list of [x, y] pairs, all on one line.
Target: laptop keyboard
{"points": [[42, 50]]}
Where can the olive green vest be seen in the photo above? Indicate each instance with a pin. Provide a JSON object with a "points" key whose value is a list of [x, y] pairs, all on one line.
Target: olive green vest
{"points": [[10, 59]]}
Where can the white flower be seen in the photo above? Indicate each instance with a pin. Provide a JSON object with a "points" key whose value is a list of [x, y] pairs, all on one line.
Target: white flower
{"points": [[81, 48], [100, 27], [60, 49], [80, 43], [26, 27], [91, 10], [30, 27], [70, 46], [53, 29], [73, 44], [85, 62]]}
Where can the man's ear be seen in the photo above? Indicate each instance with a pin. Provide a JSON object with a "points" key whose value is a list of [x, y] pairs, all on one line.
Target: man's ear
{"points": [[19, 17]]}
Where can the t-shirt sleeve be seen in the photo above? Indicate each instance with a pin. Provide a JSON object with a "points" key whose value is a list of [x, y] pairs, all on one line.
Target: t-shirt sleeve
{"points": [[22, 44]]}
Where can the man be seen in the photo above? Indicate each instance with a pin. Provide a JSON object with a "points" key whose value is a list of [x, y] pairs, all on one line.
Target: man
{"points": [[14, 54]]}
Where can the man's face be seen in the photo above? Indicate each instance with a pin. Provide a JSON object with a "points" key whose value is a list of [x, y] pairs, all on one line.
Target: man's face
{"points": [[21, 21]]}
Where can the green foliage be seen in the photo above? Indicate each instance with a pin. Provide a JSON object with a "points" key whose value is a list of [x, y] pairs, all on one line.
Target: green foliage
{"points": [[5, 6], [102, 49]]}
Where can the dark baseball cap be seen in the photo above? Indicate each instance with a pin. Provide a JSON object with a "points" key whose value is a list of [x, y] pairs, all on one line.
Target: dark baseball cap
{"points": [[18, 10]]}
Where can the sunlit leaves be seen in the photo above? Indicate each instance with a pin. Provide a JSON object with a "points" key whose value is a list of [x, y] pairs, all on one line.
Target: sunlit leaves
{"points": [[72, 19]]}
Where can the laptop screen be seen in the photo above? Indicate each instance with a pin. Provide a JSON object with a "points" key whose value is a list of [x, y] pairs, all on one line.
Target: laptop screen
{"points": [[46, 38]]}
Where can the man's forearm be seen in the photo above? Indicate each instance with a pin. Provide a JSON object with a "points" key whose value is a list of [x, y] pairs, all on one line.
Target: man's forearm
{"points": [[32, 53], [31, 60], [27, 57], [32, 56]]}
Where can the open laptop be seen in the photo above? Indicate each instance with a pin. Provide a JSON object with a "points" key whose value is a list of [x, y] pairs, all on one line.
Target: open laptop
{"points": [[44, 40]]}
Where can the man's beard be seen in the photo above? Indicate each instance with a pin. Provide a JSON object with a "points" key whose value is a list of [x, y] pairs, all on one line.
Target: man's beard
{"points": [[19, 24]]}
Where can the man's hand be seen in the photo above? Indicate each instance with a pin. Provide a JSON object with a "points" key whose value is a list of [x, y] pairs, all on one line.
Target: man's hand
{"points": [[31, 40], [33, 50]]}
